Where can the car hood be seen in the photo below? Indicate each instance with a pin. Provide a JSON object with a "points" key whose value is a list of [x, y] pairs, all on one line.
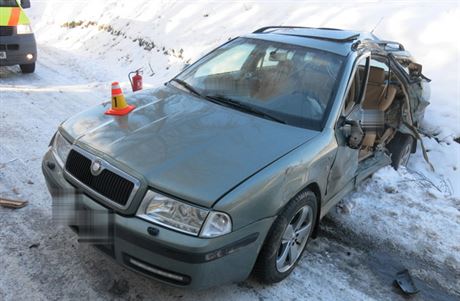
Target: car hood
{"points": [[183, 145]]}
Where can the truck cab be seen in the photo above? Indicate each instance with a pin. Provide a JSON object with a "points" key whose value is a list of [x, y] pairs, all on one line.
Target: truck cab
{"points": [[17, 40]]}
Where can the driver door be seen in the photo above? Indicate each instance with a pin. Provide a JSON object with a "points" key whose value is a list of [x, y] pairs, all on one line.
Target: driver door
{"points": [[348, 132]]}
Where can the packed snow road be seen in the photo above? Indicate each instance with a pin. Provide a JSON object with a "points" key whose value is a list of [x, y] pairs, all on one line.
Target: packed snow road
{"points": [[350, 260]]}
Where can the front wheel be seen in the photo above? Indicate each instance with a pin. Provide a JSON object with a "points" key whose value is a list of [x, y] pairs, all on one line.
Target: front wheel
{"points": [[287, 239], [27, 68]]}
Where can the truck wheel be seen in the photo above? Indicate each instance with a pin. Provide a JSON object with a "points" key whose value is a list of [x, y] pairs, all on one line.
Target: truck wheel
{"points": [[27, 68], [400, 148], [287, 239]]}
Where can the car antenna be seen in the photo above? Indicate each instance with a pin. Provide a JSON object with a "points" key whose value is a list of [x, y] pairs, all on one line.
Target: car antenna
{"points": [[376, 25]]}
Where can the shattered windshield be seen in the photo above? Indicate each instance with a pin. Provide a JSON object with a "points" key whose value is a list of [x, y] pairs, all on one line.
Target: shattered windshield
{"points": [[8, 3], [290, 83]]}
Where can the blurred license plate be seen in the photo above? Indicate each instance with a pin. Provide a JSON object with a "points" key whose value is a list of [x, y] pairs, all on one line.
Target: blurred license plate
{"points": [[2, 55], [94, 225]]}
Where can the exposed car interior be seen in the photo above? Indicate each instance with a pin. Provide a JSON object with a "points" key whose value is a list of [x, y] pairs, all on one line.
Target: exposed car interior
{"points": [[381, 107]]}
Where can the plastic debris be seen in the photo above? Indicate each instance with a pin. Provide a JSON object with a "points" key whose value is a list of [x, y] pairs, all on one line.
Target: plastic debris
{"points": [[406, 283], [14, 204]]}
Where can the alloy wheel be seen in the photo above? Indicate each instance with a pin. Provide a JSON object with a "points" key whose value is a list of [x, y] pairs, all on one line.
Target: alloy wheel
{"points": [[294, 239]]}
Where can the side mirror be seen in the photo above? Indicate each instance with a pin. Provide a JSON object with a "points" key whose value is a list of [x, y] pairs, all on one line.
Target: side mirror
{"points": [[25, 3], [352, 132]]}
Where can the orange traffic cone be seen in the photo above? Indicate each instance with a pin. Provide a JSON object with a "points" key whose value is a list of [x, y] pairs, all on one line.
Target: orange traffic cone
{"points": [[119, 105]]}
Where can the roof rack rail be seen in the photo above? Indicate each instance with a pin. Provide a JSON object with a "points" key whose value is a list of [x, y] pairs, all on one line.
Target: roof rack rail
{"points": [[263, 29], [348, 38], [386, 43], [345, 39]]}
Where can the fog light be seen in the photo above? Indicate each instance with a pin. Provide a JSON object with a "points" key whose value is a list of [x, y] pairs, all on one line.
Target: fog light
{"points": [[179, 279], [29, 56]]}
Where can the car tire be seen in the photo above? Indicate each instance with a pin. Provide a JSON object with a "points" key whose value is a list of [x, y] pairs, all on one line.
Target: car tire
{"points": [[27, 68], [284, 246], [400, 148]]}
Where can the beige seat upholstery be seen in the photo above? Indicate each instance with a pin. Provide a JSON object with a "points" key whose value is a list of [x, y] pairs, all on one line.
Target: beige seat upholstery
{"points": [[387, 99], [375, 88], [379, 97]]}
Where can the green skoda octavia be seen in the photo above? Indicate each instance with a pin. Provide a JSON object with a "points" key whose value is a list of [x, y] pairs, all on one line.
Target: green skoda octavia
{"points": [[228, 168]]}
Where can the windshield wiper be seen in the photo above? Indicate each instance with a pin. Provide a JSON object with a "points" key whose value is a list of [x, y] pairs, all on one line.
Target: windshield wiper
{"points": [[186, 86], [224, 100], [242, 106]]}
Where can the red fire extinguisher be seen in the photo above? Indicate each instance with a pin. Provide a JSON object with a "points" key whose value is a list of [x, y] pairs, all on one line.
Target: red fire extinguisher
{"points": [[136, 80]]}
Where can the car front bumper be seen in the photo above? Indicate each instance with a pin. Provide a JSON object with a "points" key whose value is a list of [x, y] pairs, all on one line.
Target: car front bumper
{"points": [[16, 48], [163, 254]]}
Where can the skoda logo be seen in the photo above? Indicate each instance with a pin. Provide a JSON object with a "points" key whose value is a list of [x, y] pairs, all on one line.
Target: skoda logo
{"points": [[96, 167]]}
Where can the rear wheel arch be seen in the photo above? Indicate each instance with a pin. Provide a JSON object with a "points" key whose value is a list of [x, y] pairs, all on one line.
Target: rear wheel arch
{"points": [[400, 148]]}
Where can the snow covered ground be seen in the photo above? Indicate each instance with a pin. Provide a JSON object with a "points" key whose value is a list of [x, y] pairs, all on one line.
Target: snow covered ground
{"points": [[408, 218]]}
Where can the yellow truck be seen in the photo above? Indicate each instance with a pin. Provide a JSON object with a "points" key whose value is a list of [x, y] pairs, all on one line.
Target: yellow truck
{"points": [[17, 40]]}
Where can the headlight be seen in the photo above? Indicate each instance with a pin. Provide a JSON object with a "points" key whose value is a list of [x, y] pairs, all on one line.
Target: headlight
{"points": [[61, 147], [185, 218], [23, 29]]}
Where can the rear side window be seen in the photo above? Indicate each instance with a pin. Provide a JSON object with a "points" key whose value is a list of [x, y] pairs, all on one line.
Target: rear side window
{"points": [[8, 3]]}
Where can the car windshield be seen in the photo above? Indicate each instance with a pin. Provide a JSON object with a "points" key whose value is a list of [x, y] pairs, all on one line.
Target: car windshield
{"points": [[287, 83], [8, 3]]}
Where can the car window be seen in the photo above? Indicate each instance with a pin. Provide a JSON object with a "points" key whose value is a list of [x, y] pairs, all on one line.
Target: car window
{"points": [[293, 83], [228, 61], [382, 65], [352, 96], [354, 92], [8, 3]]}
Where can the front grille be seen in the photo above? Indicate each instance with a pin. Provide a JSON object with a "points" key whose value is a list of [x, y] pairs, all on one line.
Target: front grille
{"points": [[4, 47], [107, 183], [6, 30]]}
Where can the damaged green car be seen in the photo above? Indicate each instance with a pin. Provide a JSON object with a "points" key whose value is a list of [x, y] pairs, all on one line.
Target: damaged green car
{"points": [[229, 167]]}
